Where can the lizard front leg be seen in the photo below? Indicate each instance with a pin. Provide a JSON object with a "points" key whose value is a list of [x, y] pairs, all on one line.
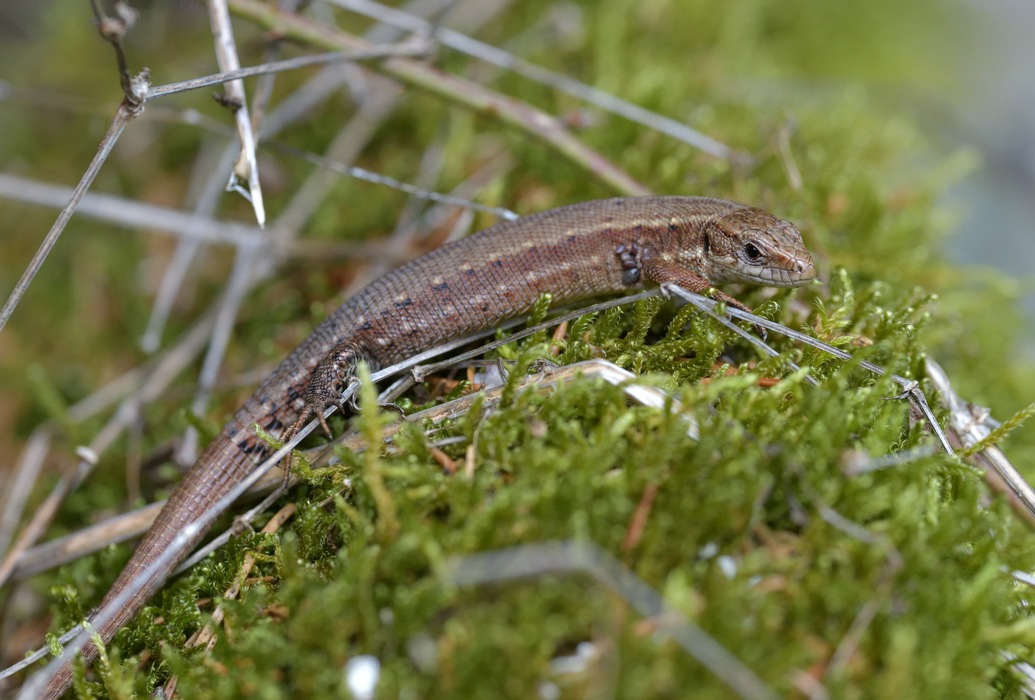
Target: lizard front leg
{"points": [[330, 378], [638, 264], [660, 271]]}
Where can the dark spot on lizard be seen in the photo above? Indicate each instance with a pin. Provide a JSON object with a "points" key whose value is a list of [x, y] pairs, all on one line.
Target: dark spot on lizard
{"points": [[469, 271], [293, 394], [273, 424], [627, 256], [365, 326], [485, 307], [672, 226], [440, 287], [404, 303], [497, 263]]}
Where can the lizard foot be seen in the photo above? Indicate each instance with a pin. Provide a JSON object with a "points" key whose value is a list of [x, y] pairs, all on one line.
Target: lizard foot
{"points": [[329, 381]]}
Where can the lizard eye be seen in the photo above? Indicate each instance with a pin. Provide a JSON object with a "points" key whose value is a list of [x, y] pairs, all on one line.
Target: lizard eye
{"points": [[752, 253]]}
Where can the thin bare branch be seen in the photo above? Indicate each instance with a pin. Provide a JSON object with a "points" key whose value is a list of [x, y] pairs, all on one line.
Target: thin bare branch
{"points": [[88, 540], [365, 175], [409, 48], [247, 166], [129, 213], [970, 425], [498, 57], [152, 218], [113, 29], [123, 115], [18, 486]]}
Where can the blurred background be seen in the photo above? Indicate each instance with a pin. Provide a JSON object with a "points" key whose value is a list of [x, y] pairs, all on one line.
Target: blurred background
{"points": [[995, 112]]}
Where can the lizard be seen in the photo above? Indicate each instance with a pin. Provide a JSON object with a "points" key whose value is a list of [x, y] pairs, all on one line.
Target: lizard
{"points": [[584, 250]]}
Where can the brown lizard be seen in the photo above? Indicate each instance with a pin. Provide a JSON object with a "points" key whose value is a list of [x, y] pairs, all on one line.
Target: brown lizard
{"points": [[574, 252]]}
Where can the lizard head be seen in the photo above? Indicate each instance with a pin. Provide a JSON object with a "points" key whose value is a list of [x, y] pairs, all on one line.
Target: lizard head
{"points": [[750, 245]]}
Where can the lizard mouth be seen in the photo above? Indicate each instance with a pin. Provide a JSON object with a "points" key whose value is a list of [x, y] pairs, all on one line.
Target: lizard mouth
{"points": [[794, 271]]}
